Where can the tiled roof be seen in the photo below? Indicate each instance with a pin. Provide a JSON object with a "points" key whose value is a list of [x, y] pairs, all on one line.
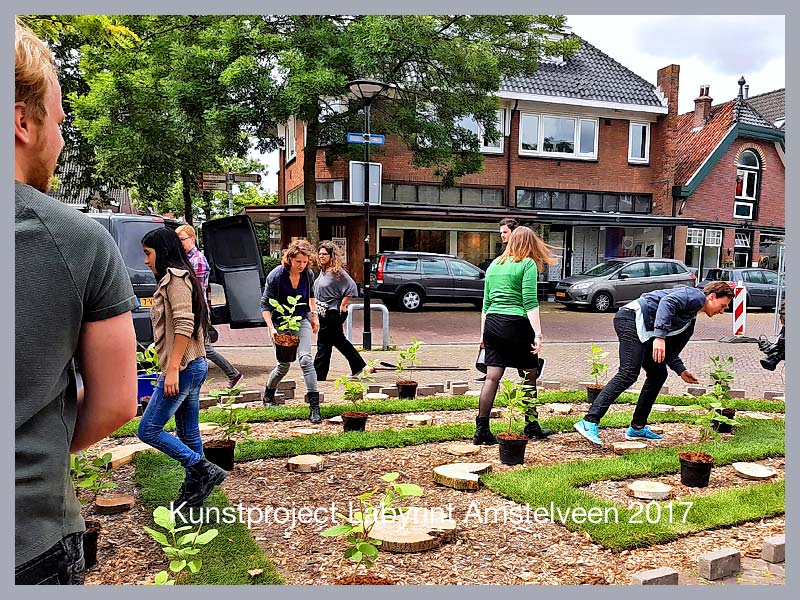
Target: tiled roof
{"points": [[694, 147], [589, 74], [772, 105], [79, 198]]}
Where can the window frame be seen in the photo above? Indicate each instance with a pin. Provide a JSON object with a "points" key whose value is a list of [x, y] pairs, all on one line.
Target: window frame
{"points": [[540, 152], [290, 149], [715, 241], [692, 236], [750, 205], [748, 174], [636, 159]]}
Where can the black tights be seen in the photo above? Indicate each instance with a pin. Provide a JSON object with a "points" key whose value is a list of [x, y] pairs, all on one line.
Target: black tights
{"points": [[489, 389]]}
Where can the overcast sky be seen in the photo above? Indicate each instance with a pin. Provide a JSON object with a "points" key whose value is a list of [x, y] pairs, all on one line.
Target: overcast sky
{"points": [[714, 50]]}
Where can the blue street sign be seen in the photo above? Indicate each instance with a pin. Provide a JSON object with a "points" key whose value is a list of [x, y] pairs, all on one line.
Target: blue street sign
{"points": [[376, 139]]}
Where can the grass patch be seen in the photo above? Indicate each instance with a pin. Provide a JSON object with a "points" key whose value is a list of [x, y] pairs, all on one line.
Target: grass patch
{"points": [[231, 554], [559, 485], [393, 406]]}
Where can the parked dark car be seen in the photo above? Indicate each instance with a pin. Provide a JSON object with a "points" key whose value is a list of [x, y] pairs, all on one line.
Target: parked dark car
{"points": [[761, 284], [406, 280], [619, 280], [127, 231]]}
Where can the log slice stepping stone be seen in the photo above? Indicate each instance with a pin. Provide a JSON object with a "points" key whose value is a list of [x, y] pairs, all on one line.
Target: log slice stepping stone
{"points": [[417, 530], [462, 449], [754, 415], [377, 396], [460, 476], [336, 419], [111, 504], [649, 490], [418, 420], [560, 408], [663, 408], [123, 455], [473, 393], [753, 471], [303, 431], [623, 447], [305, 463], [496, 413]]}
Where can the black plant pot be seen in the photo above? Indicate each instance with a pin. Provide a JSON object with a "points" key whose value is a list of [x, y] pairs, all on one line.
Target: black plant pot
{"points": [[285, 354], [407, 390], [220, 453], [512, 451], [721, 427], [695, 474], [592, 393], [90, 537], [354, 421]]}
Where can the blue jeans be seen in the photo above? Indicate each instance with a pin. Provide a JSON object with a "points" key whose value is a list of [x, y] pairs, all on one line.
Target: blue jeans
{"points": [[187, 447], [62, 564]]}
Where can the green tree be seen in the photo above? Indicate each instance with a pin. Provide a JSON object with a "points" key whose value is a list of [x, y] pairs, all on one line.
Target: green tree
{"points": [[443, 67]]}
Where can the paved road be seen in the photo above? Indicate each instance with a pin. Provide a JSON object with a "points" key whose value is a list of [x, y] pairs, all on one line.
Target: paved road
{"points": [[456, 324]]}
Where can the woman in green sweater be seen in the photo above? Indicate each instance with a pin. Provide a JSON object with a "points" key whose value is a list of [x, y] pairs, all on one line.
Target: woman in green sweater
{"points": [[511, 332]]}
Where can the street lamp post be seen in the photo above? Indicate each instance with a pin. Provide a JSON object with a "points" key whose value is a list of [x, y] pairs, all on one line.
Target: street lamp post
{"points": [[367, 90]]}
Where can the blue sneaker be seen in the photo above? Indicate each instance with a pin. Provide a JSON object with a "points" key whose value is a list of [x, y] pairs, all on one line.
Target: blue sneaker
{"points": [[589, 431], [645, 433]]}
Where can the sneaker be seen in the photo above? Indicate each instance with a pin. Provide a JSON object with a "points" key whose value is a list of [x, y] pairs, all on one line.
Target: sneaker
{"points": [[645, 433], [589, 431], [232, 383]]}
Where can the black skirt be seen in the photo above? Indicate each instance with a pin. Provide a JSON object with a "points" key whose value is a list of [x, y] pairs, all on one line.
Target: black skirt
{"points": [[507, 340]]}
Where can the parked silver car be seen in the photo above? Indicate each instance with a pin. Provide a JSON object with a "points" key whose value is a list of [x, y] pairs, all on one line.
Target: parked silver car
{"points": [[620, 280], [761, 284]]}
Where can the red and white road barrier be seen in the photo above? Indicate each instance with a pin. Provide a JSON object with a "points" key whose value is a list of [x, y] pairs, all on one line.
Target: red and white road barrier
{"points": [[739, 309]]}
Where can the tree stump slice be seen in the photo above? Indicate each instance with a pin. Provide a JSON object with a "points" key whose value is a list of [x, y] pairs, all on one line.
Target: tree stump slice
{"points": [[462, 449], [377, 396], [665, 408], [753, 471], [473, 393], [336, 419], [418, 420], [649, 490], [754, 415], [496, 413], [123, 455], [111, 504], [460, 476], [417, 530], [303, 431], [623, 447], [657, 429], [560, 408], [305, 463]]}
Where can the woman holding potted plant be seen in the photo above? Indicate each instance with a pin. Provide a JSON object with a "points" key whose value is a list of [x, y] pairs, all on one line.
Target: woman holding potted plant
{"points": [[333, 289], [290, 288], [180, 317], [511, 331]]}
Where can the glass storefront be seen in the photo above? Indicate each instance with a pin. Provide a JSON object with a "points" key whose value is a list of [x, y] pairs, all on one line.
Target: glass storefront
{"points": [[479, 247], [414, 240], [703, 250], [769, 245]]}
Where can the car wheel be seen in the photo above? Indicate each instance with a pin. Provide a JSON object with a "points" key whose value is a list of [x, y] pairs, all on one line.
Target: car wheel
{"points": [[410, 300], [602, 302]]}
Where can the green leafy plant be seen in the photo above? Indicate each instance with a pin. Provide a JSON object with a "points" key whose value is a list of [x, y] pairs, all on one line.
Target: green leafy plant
{"points": [[408, 358], [355, 389], [147, 361], [181, 550], [361, 549], [288, 320], [226, 393], [91, 473], [231, 422], [722, 373], [597, 363], [519, 399]]}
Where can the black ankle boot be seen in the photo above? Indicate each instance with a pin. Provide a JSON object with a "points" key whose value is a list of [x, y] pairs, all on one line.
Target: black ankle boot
{"points": [[269, 397], [186, 485], [202, 477], [483, 435], [313, 401], [534, 430]]}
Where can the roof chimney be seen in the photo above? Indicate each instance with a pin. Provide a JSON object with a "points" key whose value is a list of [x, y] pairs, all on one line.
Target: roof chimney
{"points": [[702, 107], [746, 92]]}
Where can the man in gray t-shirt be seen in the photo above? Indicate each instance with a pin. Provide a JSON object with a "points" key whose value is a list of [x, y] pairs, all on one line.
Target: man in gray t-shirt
{"points": [[73, 301]]}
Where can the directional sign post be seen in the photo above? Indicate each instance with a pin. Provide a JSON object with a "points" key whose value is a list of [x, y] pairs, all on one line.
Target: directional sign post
{"points": [[223, 182], [376, 139], [247, 177]]}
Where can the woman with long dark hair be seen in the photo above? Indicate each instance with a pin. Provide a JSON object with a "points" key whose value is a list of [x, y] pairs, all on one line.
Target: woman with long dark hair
{"points": [[511, 331], [180, 318], [333, 288]]}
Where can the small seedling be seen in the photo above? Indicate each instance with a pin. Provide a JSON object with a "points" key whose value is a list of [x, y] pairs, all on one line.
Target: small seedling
{"points": [[356, 389], [597, 362], [147, 361], [180, 550], [226, 393], [408, 358], [231, 423], [519, 400], [91, 473], [361, 549], [288, 320]]}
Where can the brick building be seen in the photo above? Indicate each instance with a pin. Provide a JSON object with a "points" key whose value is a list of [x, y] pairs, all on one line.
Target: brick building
{"points": [[730, 175]]}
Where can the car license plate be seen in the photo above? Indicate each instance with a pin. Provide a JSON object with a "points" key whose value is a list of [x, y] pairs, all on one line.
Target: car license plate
{"points": [[561, 294], [146, 302]]}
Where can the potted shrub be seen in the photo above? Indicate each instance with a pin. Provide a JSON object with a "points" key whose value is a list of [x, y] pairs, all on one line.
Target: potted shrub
{"points": [[407, 388], [220, 451], [519, 402], [361, 549], [696, 466], [93, 475], [148, 371], [721, 372], [286, 343], [354, 391], [599, 368]]}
